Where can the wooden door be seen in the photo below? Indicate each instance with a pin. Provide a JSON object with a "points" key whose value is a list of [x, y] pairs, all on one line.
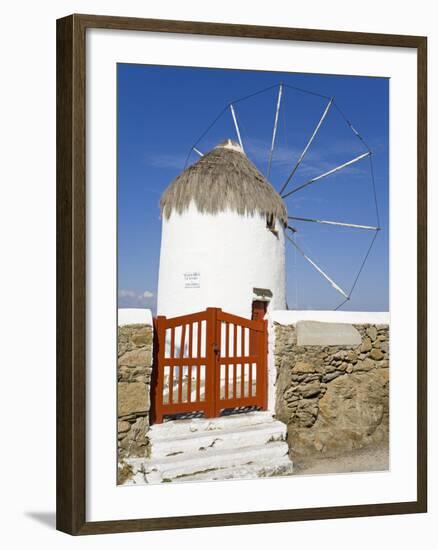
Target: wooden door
{"points": [[259, 308], [241, 362], [207, 362]]}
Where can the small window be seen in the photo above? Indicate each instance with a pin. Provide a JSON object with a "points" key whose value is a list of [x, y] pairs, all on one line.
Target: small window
{"points": [[270, 223]]}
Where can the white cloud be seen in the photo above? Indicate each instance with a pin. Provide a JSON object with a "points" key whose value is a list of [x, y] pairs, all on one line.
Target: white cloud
{"points": [[126, 294], [131, 298]]}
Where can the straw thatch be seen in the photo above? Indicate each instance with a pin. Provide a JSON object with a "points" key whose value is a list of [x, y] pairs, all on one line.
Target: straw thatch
{"points": [[223, 178]]}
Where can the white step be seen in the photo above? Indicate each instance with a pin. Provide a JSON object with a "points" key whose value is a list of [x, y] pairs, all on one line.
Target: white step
{"points": [[174, 428], [211, 441], [281, 467], [169, 468], [242, 446]]}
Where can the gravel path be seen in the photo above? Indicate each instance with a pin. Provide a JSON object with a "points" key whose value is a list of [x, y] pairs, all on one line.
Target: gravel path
{"points": [[364, 460]]}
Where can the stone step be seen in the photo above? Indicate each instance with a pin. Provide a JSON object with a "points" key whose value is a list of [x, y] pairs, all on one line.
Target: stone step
{"points": [[175, 467], [281, 467], [211, 441], [175, 428]]}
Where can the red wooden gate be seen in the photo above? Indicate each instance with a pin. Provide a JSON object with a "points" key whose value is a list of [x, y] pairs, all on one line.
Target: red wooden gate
{"points": [[207, 362]]}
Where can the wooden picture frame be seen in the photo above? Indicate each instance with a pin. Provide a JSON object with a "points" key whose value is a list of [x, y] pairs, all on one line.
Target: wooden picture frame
{"points": [[71, 273]]}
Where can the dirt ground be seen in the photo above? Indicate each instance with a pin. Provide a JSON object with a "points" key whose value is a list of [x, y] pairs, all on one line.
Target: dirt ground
{"points": [[373, 459]]}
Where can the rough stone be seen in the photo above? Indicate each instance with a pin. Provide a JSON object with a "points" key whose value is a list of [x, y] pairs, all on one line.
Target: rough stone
{"points": [[384, 346], [376, 354], [142, 336], [364, 365], [366, 345], [306, 413], [142, 378], [133, 397], [310, 389], [302, 367], [123, 426], [353, 413], [332, 375], [136, 358], [372, 333], [136, 442]]}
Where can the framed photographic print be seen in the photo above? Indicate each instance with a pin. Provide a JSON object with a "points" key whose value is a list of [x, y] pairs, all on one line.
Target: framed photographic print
{"points": [[241, 287]]}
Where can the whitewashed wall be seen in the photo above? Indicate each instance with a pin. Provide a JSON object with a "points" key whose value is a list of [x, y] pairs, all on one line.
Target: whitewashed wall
{"points": [[232, 254]]}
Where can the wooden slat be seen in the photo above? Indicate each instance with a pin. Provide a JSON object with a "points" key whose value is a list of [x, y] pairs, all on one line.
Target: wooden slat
{"points": [[183, 407], [192, 317], [252, 342], [199, 324], [158, 376], [258, 325], [172, 342], [227, 389], [262, 382], [182, 341], [181, 367], [180, 383], [190, 340], [198, 382], [194, 360], [189, 383], [242, 380], [235, 364], [238, 402], [227, 339], [171, 367], [211, 362]]}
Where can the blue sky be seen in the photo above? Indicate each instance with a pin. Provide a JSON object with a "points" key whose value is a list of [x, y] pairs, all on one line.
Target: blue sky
{"points": [[162, 111]]}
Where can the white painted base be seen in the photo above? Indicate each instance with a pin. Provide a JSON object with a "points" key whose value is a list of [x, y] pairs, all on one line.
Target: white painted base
{"points": [[232, 447], [201, 245]]}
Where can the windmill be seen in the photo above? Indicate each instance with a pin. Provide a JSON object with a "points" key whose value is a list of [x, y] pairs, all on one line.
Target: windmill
{"points": [[292, 184]]}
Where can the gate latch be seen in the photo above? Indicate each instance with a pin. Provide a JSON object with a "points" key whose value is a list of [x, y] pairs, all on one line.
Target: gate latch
{"points": [[216, 348]]}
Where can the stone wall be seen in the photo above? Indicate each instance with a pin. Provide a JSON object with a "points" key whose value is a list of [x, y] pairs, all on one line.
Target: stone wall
{"points": [[334, 399], [134, 367]]}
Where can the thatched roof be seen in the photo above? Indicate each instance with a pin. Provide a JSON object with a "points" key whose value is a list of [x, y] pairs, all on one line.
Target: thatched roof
{"points": [[223, 178]]}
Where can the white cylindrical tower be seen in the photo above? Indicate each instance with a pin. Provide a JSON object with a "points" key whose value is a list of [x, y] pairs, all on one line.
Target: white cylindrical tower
{"points": [[222, 238]]}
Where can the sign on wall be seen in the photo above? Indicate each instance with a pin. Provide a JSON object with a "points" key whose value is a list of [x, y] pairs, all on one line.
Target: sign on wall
{"points": [[192, 279]]}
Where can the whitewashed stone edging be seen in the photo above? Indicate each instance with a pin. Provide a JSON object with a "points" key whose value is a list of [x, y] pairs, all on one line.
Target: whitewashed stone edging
{"points": [[134, 316]]}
